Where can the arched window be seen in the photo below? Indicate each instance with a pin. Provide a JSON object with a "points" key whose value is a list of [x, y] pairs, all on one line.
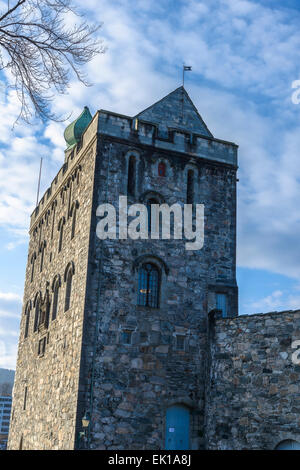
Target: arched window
{"points": [[161, 169], [190, 187], [27, 315], [73, 215], [37, 313], [131, 176], [288, 444], [61, 233], [53, 217], [42, 251], [148, 285], [33, 258], [56, 287], [68, 280], [70, 197]]}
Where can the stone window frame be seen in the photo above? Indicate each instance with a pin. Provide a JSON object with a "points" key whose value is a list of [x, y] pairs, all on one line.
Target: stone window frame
{"points": [[32, 261], [221, 288], [191, 167], [73, 214], [37, 306], [68, 279], [163, 270], [56, 285], [42, 253], [169, 172], [27, 313], [128, 330], [182, 335], [60, 228], [137, 157]]}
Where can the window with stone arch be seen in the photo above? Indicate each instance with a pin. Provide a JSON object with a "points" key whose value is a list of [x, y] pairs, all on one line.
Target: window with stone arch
{"points": [[37, 312], [148, 285], [73, 214], [42, 252], [55, 289], [68, 278], [61, 233], [33, 258], [131, 179], [27, 318], [162, 169]]}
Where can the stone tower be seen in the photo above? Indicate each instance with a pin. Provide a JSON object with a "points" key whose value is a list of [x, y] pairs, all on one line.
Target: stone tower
{"points": [[116, 329]]}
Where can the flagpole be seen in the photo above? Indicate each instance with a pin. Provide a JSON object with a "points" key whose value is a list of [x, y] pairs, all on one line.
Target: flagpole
{"points": [[184, 68]]}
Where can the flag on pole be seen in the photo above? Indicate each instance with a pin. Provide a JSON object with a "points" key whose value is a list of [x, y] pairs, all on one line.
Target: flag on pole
{"points": [[187, 68]]}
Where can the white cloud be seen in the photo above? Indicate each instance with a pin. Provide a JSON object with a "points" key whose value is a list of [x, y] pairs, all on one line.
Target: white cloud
{"points": [[9, 296]]}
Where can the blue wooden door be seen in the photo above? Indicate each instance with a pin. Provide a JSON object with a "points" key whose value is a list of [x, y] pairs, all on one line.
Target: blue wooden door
{"points": [[177, 428]]}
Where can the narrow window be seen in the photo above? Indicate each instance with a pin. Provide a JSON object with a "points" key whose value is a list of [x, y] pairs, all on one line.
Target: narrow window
{"points": [[55, 300], [148, 286], [190, 187], [161, 169], [61, 233], [27, 314], [42, 250], [222, 304], [25, 398], [32, 266], [180, 342], [53, 220], [37, 315], [73, 214], [68, 290], [126, 336], [131, 176], [42, 346], [70, 196]]}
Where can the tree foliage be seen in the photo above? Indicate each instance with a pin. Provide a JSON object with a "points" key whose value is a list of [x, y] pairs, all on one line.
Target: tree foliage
{"points": [[40, 47]]}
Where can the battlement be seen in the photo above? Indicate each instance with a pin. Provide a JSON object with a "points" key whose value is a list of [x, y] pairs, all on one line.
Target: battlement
{"points": [[170, 138], [141, 132]]}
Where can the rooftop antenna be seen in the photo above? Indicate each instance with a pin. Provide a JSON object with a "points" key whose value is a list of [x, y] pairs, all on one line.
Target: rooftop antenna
{"points": [[185, 68], [38, 189]]}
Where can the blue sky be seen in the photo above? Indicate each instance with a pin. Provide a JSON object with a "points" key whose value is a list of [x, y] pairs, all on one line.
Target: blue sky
{"points": [[245, 56]]}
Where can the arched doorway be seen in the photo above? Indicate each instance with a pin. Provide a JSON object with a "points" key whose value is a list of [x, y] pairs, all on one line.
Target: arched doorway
{"points": [[177, 428], [289, 444]]}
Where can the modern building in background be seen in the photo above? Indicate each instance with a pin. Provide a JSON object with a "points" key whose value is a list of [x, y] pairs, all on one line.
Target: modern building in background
{"points": [[137, 344], [5, 409]]}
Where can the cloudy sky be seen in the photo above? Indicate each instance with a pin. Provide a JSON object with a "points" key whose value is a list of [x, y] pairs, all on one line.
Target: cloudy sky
{"points": [[245, 58]]}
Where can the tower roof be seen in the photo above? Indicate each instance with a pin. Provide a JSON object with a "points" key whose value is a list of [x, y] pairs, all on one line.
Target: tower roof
{"points": [[176, 110], [75, 130]]}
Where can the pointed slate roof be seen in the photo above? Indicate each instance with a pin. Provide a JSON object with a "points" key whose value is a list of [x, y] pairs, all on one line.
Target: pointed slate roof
{"points": [[176, 110]]}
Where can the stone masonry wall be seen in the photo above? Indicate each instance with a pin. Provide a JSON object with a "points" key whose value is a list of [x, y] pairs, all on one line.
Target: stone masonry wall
{"points": [[253, 399], [48, 419], [132, 385]]}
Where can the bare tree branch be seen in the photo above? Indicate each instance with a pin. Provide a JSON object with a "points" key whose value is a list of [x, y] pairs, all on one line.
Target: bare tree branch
{"points": [[41, 52]]}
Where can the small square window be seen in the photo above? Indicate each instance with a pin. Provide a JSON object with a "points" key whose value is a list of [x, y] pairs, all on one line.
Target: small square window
{"points": [[42, 346], [180, 342], [126, 336], [143, 337]]}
